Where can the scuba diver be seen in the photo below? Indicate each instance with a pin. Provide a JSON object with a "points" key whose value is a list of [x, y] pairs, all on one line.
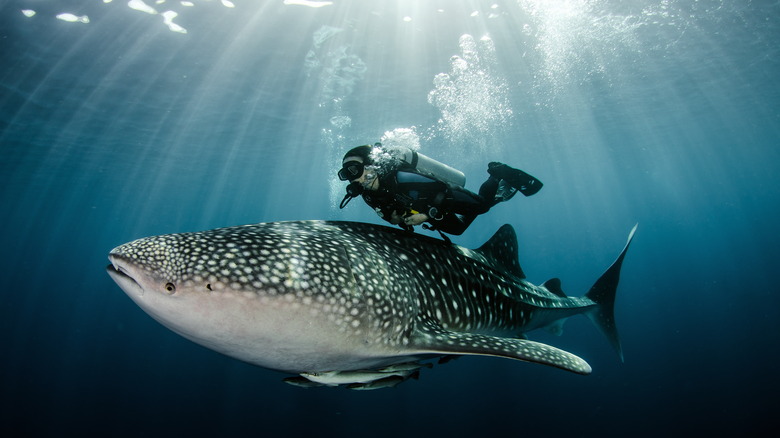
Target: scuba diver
{"points": [[407, 188]]}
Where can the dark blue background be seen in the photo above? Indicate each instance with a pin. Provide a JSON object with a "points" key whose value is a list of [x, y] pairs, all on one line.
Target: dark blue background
{"points": [[664, 114]]}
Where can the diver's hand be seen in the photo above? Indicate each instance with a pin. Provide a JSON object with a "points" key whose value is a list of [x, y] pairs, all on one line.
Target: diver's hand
{"points": [[395, 218], [416, 219]]}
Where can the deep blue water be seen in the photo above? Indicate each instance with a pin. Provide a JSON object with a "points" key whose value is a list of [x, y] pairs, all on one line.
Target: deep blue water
{"points": [[661, 113]]}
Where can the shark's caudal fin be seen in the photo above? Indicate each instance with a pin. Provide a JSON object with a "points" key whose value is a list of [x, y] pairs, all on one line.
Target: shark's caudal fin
{"points": [[603, 293]]}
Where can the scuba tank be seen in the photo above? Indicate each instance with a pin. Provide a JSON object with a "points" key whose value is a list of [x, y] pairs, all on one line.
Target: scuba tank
{"points": [[424, 165]]}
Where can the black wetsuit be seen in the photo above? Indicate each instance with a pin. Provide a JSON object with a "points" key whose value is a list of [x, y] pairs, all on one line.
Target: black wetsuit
{"points": [[450, 208]]}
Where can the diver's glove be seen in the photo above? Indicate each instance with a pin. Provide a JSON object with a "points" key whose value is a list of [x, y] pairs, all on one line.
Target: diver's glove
{"points": [[415, 219]]}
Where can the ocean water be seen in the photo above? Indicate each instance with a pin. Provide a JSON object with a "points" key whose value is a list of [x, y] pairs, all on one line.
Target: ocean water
{"points": [[128, 119]]}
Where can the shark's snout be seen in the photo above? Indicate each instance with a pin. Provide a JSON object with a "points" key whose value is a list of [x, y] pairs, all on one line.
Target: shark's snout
{"points": [[120, 271]]}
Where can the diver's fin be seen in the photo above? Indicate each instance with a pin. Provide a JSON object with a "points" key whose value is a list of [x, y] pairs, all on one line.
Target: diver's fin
{"points": [[431, 338], [505, 192], [522, 181], [501, 251], [603, 294]]}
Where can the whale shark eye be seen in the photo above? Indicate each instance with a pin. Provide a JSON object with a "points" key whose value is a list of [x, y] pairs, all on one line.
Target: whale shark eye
{"points": [[170, 288]]}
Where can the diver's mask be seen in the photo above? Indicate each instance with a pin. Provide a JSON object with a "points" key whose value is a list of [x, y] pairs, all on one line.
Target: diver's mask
{"points": [[354, 189], [351, 170]]}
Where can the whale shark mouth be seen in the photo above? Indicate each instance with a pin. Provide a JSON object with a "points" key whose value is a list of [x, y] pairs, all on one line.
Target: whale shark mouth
{"points": [[122, 277]]}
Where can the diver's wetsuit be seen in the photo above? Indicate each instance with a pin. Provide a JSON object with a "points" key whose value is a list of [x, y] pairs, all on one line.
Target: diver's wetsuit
{"points": [[407, 193]]}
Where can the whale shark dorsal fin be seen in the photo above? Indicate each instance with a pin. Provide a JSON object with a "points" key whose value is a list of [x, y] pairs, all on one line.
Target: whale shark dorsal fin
{"points": [[430, 338], [554, 285], [501, 250]]}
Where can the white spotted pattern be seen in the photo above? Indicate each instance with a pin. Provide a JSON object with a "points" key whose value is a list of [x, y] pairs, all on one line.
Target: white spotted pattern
{"points": [[397, 290]]}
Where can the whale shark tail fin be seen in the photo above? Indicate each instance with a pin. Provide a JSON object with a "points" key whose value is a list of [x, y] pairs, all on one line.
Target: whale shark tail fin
{"points": [[603, 294]]}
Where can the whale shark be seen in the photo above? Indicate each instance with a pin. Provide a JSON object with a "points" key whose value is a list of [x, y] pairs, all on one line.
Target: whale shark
{"points": [[355, 304]]}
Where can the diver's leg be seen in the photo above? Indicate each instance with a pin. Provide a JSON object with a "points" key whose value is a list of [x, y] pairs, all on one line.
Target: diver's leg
{"points": [[463, 206], [489, 188], [453, 224], [465, 202], [496, 190]]}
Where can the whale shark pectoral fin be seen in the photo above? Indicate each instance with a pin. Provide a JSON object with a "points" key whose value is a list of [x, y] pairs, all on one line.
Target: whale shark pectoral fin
{"points": [[430, 338]]}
